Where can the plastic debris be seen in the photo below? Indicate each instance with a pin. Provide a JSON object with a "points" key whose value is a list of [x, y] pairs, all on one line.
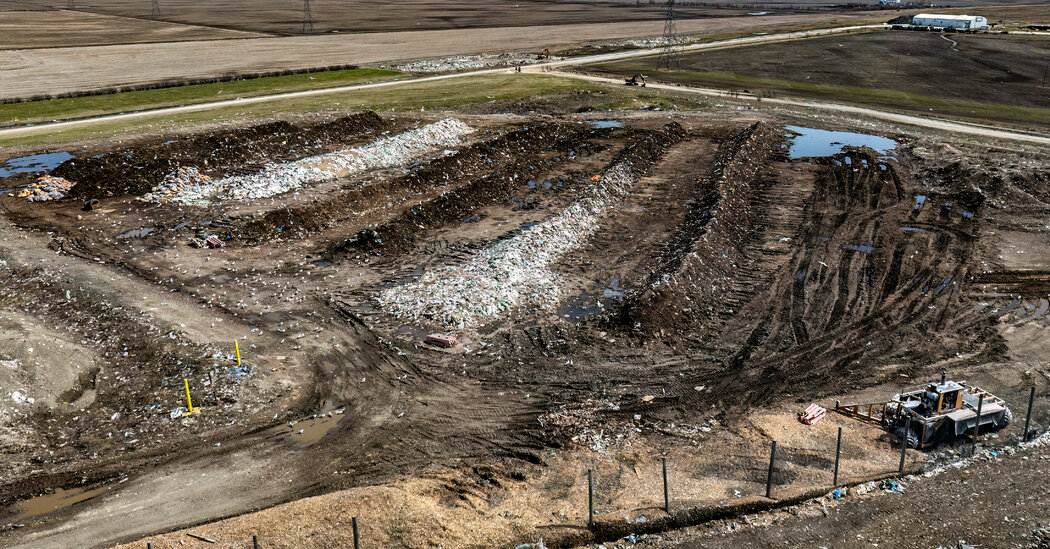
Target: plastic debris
{"points": [[46, 188], [512, 272], [189, 186]]}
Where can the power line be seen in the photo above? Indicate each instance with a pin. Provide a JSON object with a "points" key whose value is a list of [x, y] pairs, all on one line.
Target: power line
{"points": [[308, 20], [671, 57]]}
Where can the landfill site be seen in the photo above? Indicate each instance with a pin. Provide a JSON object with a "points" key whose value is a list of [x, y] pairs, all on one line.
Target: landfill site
{"points": [[621, 314]]}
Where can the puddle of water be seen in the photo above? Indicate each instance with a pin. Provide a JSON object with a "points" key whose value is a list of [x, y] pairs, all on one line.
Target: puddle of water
{"points": [[912, 229], [33, 163], [53, 502], [322, 262], [605, 123], [310, 431], [580, 306], [813, 142], [137, 233], [759, 12], [865, 248], [614, 290], [170, 142], [920, 199]]}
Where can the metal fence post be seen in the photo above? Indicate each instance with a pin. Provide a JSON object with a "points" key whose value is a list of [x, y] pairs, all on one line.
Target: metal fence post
{"points": [[977, 426], [353, 525], [1028, 416], [838, 453], [769, 477], [667, 499], [590, 499], [904, 444]]}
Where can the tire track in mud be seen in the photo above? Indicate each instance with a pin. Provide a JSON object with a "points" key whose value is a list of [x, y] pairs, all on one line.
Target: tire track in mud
{"points": [[699, 263], [892, 295]]}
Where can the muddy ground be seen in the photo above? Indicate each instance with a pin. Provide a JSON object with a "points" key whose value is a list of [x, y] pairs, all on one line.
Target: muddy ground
{"points": [[728, 286]]}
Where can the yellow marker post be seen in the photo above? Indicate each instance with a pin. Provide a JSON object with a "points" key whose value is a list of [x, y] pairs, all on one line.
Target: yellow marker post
{"points": [[238, 349], [189, 402]]}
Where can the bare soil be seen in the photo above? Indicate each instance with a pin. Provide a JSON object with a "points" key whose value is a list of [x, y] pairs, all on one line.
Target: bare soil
{"points": [[29, 73], [65, 28], [730, 287]]}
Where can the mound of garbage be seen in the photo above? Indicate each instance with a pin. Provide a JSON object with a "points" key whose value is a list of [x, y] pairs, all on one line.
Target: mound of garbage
{"points": [[188, 186], [518, 270], [186, 179], [46, 188]]}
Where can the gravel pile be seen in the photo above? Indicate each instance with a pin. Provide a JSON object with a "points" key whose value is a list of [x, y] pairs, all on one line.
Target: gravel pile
{"points": [[275, 179], [512, 272], [46, 188]]}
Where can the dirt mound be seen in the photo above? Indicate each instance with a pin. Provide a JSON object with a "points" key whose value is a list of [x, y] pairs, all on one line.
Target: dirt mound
{"points": [[536, 152], [136, 170], [511, 149], [702, 254]]}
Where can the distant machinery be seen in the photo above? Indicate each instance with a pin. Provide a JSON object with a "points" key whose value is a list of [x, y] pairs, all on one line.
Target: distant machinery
{"points": [[671, 57], [308, 20], [941, 21]]}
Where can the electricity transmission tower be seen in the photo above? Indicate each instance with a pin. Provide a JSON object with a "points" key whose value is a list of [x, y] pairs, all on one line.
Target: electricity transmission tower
{"points": [[156, 7], [671, 56], [308, 20]]}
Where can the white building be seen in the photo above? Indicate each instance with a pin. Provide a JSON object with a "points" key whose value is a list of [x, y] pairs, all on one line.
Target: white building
{"points": [[950, 21]]}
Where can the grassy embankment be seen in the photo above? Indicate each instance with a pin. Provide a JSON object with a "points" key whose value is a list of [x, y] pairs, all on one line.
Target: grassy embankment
{"points": [[94, 105], [429, 95]]}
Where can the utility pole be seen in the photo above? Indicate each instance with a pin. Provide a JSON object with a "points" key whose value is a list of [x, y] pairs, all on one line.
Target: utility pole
{"points": [[156, 8], [671, 56], [308, 20]]}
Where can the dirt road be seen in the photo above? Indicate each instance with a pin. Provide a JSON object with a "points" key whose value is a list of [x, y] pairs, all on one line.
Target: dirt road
{"points": [[922, 122]]}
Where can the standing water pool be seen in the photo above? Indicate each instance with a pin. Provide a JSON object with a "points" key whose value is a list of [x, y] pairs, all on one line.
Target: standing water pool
{"points": [[813, 142]]}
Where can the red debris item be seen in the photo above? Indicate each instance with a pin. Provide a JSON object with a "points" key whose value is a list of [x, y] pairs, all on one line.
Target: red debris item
{"points": [[813, 414], [213, 242], [442, 340]]}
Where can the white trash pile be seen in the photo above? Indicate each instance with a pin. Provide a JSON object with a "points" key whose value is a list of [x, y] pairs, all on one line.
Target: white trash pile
{"points": [[185, 182], [512, 272], [463, 62], [45, 188], [189, 187]]}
